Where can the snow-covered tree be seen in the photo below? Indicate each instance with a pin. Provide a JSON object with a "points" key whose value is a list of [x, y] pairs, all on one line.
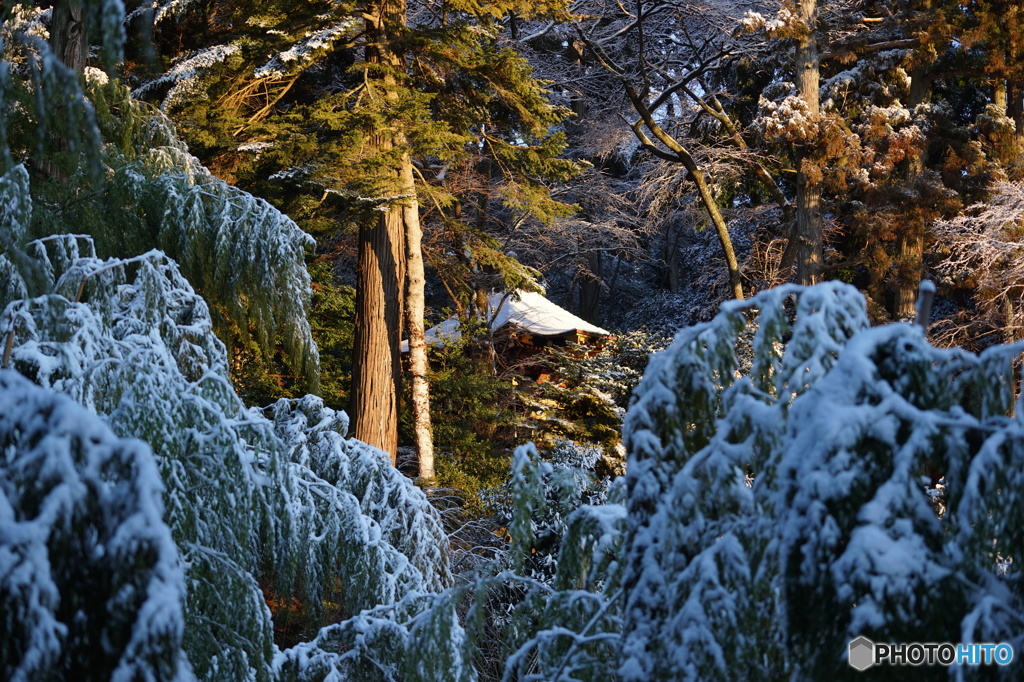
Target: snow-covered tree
{"points": [[782, 455], [115, 169], [90, 582], [985, 246], [288, 503]]}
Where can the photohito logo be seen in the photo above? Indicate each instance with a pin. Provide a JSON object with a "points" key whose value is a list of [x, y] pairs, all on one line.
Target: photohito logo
{"points": [[864, 653]]}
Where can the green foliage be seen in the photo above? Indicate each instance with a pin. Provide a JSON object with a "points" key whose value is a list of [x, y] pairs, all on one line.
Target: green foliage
{"points": [[584, 397], [474, 419], [286, 107], [245, 257], [289, 501], [556, 612], [331, 317], [131, 340]]}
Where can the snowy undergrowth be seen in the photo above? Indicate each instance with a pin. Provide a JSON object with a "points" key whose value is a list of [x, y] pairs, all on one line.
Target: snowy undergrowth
{"points": [[90, 583], [281, 500], [779, 458]]}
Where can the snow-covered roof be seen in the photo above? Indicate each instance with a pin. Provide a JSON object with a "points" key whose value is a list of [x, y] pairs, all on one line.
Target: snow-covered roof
{"points": [[537, 315], [525, 310]]}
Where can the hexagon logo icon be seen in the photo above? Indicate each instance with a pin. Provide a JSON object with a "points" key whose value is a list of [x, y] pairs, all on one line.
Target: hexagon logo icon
{"points": [[862, 653]]}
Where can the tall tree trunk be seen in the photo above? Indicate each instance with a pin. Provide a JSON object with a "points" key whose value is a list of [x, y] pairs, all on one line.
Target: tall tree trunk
{"points": [[380, 273], [377, 371], [911, 235], [70, 44], [809, 223], [414, 310]]}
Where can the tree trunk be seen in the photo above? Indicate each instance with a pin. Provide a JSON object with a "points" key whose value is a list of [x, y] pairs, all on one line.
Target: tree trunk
{"points": [[415, 305], [762, 174], [720, 228], [911, 235], [377, 371], [68, 38], [380, 273], [70, 44], [908, 275], [809, 223]]}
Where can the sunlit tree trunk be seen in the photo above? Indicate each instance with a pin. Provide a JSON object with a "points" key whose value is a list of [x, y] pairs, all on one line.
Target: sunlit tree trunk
{"points": [[809, 223], [414, 311], [380, 274], [377, 371]]}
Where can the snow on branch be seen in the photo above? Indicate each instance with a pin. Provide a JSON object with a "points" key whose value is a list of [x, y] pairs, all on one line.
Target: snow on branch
{"points": [[786, 453], [300, 55], [90, 584], [185, 77], [289, 503]]}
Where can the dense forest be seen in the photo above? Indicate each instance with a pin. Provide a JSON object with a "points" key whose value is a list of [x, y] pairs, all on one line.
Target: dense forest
{"points": [[265, 414]]}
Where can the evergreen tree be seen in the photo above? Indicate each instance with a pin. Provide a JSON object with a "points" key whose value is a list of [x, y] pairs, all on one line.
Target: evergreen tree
{"points": [[333, 146]]}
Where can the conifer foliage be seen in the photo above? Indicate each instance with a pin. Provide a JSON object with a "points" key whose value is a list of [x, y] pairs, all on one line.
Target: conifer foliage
{"points": [[244, 257], [290, 502], [783, 487], [782, 454], [90, 583], [354, 114]]}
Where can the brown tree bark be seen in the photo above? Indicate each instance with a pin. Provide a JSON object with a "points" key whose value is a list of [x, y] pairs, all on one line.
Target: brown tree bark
{"points": [[809, 223], [380, 273], [376, 375]]}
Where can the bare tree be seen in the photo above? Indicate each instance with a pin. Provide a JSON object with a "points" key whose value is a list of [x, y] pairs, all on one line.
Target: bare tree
{"points": [[985, 245], [640, 49]]}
